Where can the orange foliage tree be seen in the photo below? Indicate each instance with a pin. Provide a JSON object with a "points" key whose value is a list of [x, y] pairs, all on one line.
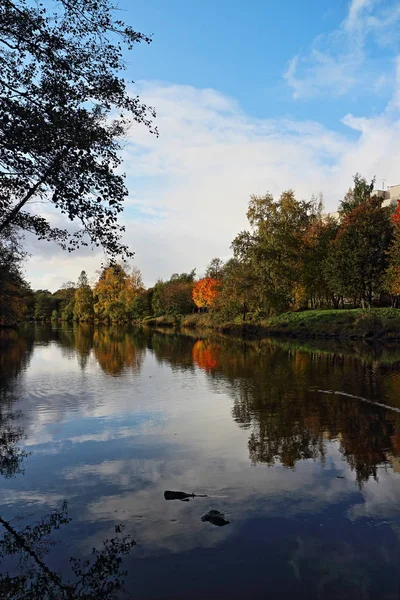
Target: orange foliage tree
{"points": [[392, 276], [205, 292]]}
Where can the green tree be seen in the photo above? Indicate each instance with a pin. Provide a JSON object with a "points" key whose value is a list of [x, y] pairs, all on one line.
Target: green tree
{"points": [[314, 275], [358, 258], [45, 303], [65, 297], [174, 297], [140, 307], [15, 294], [239, 293], [215, 268], [361, 192], [64, 108]]}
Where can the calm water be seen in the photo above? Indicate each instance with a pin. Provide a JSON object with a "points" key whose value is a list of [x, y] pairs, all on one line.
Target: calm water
{"points": [[109, 419]]}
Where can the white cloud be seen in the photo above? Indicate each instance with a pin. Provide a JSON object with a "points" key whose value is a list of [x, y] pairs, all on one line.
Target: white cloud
{"points": [[356, 10], [341, 61], [209, 160], [189, 188]]}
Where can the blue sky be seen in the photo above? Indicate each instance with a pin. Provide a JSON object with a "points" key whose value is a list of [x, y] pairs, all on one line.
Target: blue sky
{"points": [[250, 97], [243, 50]]}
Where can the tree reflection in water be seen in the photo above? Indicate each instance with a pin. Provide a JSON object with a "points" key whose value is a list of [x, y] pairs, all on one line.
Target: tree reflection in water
{"points": [[30, 578], [274, 385], [274, 390], [116, 350], [15, 351], [25, 574]]}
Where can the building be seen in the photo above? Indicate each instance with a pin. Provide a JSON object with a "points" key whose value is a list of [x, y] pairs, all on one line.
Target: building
{"points": [[390, 198]]}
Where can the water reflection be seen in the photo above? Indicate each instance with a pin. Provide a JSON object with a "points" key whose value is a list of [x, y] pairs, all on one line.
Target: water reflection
{"points": [[14, 356], [28, 576], [277, 395], [115, 350], [25, 572], [275, 386], [110, 418]]}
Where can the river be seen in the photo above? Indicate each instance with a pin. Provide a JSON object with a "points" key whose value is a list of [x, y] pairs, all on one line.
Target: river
{"points": [[296, 444]]}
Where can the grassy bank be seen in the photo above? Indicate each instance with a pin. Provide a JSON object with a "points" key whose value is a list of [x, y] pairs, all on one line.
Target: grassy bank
{"points": [[376, 323]]}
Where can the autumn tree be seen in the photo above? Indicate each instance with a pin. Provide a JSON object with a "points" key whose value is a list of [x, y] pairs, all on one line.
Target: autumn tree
{"points": [[84, 304], [205, 292], [114, 293], [391, 280], [65, 107], [272, 248], [133, 289]]}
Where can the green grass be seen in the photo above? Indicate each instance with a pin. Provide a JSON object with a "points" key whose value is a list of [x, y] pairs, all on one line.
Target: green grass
{"points": [[375, 323]]}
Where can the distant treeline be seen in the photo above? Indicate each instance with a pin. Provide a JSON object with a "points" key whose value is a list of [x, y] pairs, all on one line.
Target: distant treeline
{"points": [[293, 257]]}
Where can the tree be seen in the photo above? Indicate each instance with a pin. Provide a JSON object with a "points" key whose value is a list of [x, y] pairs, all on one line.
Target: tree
{"points": [[115, 292], [360, 193], [314, 277], [358, 256], [15, 293], [45, 303], [271, 250], [140, 307], [205, 292], [174, 297], [107, 293], [65, 301], [133, 288], [64, 108], [391, 280], [215, 269], [83, 309], [239, 293]]}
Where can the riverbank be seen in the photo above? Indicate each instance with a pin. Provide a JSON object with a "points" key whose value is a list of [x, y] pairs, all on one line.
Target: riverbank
{"points": [[375, 323]]}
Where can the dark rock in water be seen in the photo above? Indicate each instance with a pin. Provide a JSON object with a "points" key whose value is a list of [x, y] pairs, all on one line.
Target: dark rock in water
{"points": [[215, 517], [168, 495]]}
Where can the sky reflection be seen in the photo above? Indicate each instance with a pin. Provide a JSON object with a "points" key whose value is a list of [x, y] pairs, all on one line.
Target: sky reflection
{"points": [[298, 475]]}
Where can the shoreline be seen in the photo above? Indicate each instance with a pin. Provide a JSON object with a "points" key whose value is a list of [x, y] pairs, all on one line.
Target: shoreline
{"points": [[351, 324]]}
